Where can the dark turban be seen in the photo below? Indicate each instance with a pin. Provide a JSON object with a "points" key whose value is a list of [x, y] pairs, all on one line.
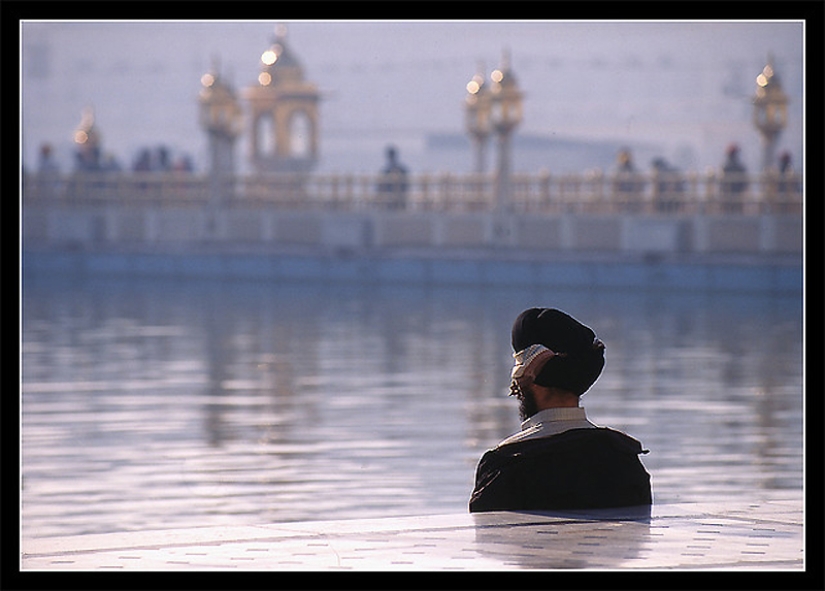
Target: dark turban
{"points": [[579, 355]]}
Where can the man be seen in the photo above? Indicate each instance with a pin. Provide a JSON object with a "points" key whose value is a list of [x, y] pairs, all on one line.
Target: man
{"points": [[394, 184], [734, 181], [559, 460]]}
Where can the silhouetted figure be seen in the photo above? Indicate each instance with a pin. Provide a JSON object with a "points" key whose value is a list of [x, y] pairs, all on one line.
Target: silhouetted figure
{"points": [[785, 166], [48, 173], [787, 176], [734, 181], [392, 189], [559, 460], [669, 186], [110, 164], [628, 185], [143, 162], [47, 163], [163, 162], [183, 164], [87, 159], [788, 185], [624, 161]]}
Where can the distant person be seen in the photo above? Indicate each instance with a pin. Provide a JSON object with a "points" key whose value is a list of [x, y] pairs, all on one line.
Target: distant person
{"points": [[110, 163], [143, 162], [392, 189], [183, 164], [788, 184], [88, 159], [734, 180], [559, 460], [624, 161], [141, 166], [785, 166], [48, 172], [163, 162], [669, 186], [628, 183], [47, 163]]}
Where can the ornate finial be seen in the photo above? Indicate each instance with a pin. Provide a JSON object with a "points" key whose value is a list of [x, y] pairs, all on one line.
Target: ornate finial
{"points": [[476, 83], [767, 76], [87, 118], [86, 132], [502, 76]]}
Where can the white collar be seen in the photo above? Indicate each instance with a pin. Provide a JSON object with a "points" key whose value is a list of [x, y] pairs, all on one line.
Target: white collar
{"points": [[551, 421], [548, 415]]}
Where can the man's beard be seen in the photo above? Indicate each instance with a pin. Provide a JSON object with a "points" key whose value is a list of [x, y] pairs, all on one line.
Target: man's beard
{"points": [[527, 405]]}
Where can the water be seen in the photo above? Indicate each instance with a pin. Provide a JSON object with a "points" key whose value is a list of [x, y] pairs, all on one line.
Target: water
{"points": [[157, 404]]}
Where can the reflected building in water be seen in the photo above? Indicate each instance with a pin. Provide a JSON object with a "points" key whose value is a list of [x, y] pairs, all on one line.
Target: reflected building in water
{"points": [[292, 402], [226, 402]]}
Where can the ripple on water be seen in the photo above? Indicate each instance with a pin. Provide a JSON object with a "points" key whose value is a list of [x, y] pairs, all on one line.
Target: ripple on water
{"points": [[155, 405]]}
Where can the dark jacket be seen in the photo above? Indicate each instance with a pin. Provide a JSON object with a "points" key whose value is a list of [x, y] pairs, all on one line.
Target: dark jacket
{"points": [[577, 469]]}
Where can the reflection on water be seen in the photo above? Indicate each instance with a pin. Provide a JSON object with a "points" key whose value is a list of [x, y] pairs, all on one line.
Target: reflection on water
{"points": [[601, 539], [163, 404]]}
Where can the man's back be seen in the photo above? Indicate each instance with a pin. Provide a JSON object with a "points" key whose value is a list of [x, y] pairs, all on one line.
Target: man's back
{"points": [[577, 469]]}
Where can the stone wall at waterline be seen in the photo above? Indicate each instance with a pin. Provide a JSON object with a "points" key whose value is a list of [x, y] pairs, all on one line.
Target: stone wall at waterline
{"points": [[158, 228]]}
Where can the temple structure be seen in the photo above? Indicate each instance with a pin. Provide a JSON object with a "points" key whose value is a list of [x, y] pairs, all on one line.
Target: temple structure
{"points": [[222, 119], [283, 113], [770, 111]]}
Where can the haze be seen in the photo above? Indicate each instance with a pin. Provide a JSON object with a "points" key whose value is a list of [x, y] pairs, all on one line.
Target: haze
{"points": [[680, 90]]}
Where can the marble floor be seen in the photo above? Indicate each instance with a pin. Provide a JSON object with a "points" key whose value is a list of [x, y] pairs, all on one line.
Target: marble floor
{"points": [[755, 535]]}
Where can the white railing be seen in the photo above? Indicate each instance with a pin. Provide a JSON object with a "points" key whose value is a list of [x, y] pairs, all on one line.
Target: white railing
{"points": [[594, 192]]}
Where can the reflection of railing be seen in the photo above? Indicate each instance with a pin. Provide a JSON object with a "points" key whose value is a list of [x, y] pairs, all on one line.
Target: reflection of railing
{"points": [[657, 193]]}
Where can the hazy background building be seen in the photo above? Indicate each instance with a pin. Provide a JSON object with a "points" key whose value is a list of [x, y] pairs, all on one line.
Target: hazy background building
{"points": [[678, 90]]}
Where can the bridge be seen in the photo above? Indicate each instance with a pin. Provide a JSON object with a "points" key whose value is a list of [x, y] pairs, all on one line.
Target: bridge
{"points": [[647, 215], [593, 192]]}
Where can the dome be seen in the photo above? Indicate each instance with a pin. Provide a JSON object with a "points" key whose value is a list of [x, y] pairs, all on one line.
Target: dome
{"points": [[278, 62]]}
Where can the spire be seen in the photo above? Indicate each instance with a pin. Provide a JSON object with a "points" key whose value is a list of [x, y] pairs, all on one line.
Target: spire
{"points": [[477, 84], [86, 133], [503, 76], [277, 62]]}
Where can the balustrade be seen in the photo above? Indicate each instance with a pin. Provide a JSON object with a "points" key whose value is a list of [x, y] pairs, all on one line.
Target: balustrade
{"points": [[593, 192]]}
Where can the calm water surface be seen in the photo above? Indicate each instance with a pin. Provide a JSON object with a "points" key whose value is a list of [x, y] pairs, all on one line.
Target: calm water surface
{"points": [[156, 404]]}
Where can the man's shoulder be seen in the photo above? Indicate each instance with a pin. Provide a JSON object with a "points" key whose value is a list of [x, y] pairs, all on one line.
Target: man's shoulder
{"points": [[572, 438]]}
